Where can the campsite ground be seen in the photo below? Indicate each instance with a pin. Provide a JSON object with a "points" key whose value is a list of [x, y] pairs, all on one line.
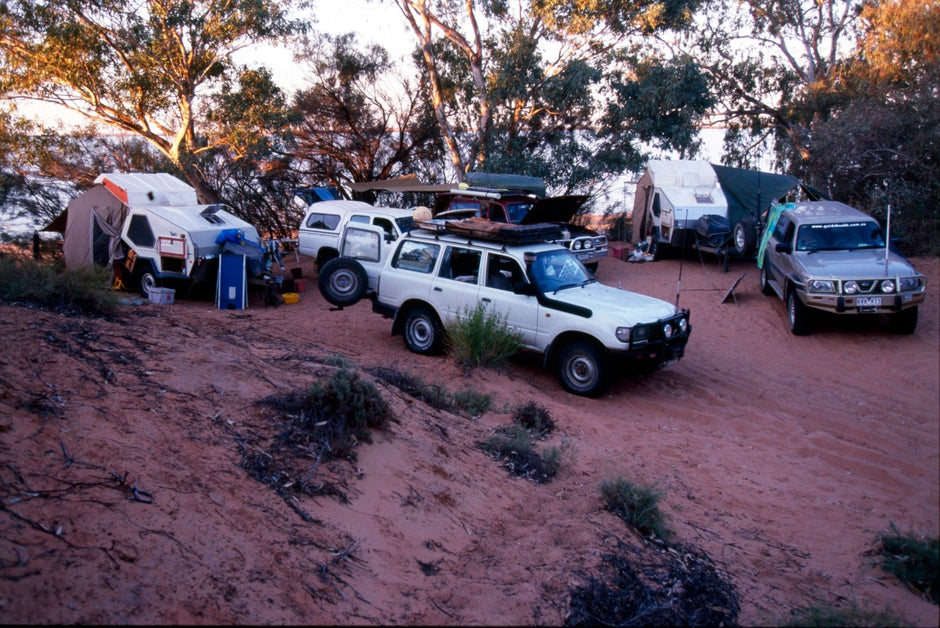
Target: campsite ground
{"points": [[123, 499]]}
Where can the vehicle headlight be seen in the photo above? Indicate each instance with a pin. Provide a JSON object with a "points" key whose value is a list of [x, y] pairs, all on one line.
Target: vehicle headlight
{"points": [[887, 285], [910, 283], [641, 333], [576, 245], [820, 285], [683, 324], [668, 330], [623, 334], [850, 287], [588, 244]]}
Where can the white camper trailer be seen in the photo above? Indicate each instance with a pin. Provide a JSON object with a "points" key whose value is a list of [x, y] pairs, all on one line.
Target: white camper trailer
{"points": [[688, 202], [153, 232], [670, 198]]}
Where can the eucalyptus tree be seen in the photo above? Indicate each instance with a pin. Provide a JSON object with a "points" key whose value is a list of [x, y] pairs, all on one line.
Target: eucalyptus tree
{"points": [[766, 61], [360, 117], [543, 87], [161, 70], [880, 145]]}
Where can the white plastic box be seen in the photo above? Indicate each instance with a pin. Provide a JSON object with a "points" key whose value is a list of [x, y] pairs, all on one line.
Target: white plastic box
{"points": [[162, 295]]}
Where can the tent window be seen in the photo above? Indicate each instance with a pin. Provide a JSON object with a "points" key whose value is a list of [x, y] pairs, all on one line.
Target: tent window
{"points": [[140, 233], [657, 209]]}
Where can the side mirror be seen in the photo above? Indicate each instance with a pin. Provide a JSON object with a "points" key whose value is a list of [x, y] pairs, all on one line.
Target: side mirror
{"points": [[783, 247], [524, 288]]}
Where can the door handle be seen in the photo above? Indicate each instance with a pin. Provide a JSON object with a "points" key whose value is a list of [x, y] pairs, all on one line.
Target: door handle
{"points": [[437, 289], [486, 300]]}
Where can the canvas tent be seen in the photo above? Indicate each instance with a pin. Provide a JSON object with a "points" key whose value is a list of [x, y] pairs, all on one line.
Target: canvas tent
{"points": [[92, 229]]}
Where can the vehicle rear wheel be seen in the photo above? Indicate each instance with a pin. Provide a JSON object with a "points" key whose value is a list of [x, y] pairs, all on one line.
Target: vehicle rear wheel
{"points": [[582, 369], [422, 332], [765, 281], [798, 314], [343, 281], [745, 237], [905, 321]]}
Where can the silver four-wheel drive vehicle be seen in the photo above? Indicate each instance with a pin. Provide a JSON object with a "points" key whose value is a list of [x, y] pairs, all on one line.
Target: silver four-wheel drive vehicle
{"points": [[583, 328], [350, 241], [829, 257]]}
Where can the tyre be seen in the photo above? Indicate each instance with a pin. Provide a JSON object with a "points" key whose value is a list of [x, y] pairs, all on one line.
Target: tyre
{"points": [[582, 369], [146, 279], [422, 331], [905, 321], [765, 281], [797, 314], [343, 281], [745, 237]]}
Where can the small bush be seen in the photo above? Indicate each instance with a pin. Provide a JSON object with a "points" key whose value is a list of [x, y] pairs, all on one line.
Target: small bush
{"points": [[467, 401], [915, 561], [480, 337], [535, 419], [849, 617], [513, 446], [471, 402], [636, 505], [85, 290], [332, 417]]}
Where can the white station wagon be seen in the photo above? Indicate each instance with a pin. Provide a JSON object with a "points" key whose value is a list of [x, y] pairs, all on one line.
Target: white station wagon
{"points": [[583, 328]]}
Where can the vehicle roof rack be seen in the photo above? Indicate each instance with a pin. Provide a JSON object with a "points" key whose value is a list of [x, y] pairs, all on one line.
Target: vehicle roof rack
{"points": [[489, 230]]}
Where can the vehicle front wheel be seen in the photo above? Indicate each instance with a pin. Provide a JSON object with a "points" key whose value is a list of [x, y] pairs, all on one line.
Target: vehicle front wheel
{"points": [[343, 281], [798, 314], [422, 332], [592, 267], [905, 321], [582, 369]]}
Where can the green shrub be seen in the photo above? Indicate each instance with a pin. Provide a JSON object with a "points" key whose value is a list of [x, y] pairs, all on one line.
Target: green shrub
{"points": [[471, 402], [913, 560], [849, 617], [85, 290], [480, 337], [513, 446], [333, 416], [636, 505], [467, 401], [534, 418]]}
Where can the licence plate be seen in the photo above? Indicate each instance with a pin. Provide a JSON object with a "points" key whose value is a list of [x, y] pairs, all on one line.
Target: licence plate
{"points": [[868, 301]]}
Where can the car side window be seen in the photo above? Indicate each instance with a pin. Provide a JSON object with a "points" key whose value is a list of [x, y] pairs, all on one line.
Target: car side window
{"points": [[323, 221], [359, 218], [783, 225], [417, 256], [361, 244], [386, 224], [502, 272], [461, 264]]}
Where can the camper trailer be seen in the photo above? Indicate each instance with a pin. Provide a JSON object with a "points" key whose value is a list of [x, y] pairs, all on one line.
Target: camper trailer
{"points": [[692, 203], [150, 228]]}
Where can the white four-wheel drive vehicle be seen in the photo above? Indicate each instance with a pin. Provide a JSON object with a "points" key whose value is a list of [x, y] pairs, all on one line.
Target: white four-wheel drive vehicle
{"points": [[350, 241], [584, 329], [827, 256]]}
